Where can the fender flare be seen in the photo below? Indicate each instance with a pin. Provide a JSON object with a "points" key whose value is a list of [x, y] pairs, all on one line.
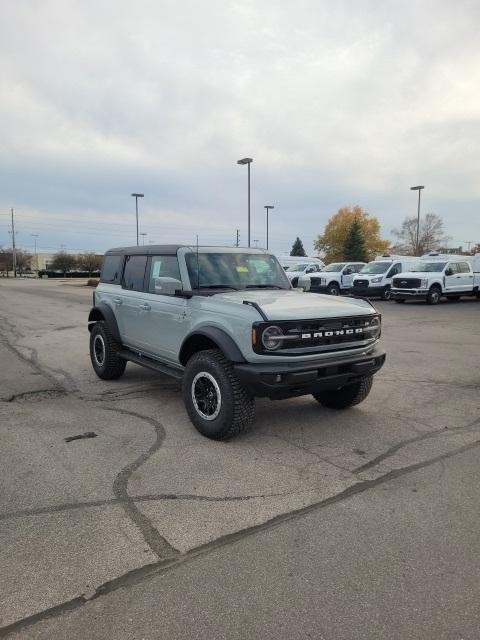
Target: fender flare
{"points": [[102, 312], [220, 338]]}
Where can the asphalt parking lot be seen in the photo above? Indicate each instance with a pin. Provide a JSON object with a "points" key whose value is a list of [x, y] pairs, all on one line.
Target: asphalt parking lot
{"points": [[82, 520]]}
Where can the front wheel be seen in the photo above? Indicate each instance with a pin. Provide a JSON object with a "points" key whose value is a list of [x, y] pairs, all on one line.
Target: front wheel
{"points": [[434, 295], [217, 404], [347, 396], [334, 289], [387, 293]]}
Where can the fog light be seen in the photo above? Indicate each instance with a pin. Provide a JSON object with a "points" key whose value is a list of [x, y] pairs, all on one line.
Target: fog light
{"points": [[278, 377]]}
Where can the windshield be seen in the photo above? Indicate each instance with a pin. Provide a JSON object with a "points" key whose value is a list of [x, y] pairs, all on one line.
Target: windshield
{"points": [[428, 266], [300, 266], [376, 267], [236, 271], [335, 266]]}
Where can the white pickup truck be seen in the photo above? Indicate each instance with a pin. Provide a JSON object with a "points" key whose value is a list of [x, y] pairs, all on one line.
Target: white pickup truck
{"points": [[436, 276]]}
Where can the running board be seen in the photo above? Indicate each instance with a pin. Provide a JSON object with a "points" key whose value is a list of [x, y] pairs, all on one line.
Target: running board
{"points": [[150, 363]]}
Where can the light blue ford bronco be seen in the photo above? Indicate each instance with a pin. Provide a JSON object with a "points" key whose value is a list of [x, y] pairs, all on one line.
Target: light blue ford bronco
{"points": [[227, 323]]}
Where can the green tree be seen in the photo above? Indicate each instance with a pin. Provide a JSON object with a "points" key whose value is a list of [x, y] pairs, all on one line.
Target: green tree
{"points": [[297, 248], [63, 261], [332, 242], [354, 247]]}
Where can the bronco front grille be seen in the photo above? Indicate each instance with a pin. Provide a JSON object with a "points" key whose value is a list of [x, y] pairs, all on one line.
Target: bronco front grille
{"points": [[309, 336], [407, 283]]}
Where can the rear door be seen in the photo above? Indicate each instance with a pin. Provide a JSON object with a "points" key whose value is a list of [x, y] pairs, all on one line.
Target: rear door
{"points": [[452, 278], [466, 276], [129, 308]]}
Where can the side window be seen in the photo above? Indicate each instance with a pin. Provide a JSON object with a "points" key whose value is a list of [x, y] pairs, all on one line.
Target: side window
{"points": [[134, 273], [357, 268], [111, 269], [162, 267], [397, 268], [451, 268], [464, 267]]}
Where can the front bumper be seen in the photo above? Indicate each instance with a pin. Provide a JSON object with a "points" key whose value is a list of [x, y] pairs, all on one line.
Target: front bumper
{"points": [[368, 292], [409, 293], [285, 380]]}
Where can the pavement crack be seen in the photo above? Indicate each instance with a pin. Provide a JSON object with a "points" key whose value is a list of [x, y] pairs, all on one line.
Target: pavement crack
{"points": [[145, 572], [404, 443], [157, 543]]}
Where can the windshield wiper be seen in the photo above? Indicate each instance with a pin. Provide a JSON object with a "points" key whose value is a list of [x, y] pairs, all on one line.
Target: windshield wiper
{"points": [[218, 286], [263, 286]]}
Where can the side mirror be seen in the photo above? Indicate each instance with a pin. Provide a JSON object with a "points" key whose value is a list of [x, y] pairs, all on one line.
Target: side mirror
{"points": [[166, 286], [310, 270], [304, 283], [449, 272], [348, 272]]}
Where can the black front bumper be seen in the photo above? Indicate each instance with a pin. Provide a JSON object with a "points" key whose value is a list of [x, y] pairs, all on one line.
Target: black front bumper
{"points": [[285, 380], [368, 292], [399, 294]]}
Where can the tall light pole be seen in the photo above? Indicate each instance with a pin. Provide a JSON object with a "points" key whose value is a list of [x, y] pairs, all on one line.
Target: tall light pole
{"points": [[35, 236], [143, 238], [419, 189], [267, 207], [137, 196], [248, 162]]}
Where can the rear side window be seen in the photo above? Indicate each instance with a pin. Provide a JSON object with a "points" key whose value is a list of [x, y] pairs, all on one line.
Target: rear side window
{"points": [[134, 273], [111, 269], [464, 267]]}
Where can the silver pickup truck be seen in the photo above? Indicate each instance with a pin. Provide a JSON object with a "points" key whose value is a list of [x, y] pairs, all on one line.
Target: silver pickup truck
{"points": [[227, 323]]}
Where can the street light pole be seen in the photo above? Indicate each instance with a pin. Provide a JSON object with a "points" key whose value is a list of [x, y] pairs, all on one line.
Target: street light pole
{"points": [[35, 236], [248, 162], [267, 207], [143, 238], [137, 196], [419, 189]]}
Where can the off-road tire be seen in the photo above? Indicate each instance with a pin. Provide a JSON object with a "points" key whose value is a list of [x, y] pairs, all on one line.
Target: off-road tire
{"points": [[333, 289], [237, 407], [434, 295], [112, 366], [347, 396], [386, 293], [399, 300]]}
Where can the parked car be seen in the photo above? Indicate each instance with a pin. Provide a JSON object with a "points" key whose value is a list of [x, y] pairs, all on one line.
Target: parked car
{"points": [[298, 269], [439, 276], [336, 278], [227, 324], [375, 278]]}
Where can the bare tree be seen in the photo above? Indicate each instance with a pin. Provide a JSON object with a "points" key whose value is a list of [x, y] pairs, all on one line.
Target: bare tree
{"points": [[24, 261], [431, 235], [89, 262], [6, 261], [63, 261]]}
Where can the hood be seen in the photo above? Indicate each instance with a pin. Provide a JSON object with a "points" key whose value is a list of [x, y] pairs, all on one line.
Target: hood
{"points": [[297, 305]]}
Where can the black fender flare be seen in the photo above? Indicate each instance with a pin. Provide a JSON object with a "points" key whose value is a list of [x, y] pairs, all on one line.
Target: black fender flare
{"points": [[219, 337], [102, 312]]}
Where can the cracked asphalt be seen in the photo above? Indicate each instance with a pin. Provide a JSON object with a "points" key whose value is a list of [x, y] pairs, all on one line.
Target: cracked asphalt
{"points": [[97, 533]]}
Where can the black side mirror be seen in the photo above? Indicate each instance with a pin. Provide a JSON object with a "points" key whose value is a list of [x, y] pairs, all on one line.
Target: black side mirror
{"points": [[348, 272], [449, 272]]}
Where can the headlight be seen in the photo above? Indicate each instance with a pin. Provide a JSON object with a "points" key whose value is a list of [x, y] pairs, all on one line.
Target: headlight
{"points": [[425, 283], [376, 279], [271, 338], [374, 329]]}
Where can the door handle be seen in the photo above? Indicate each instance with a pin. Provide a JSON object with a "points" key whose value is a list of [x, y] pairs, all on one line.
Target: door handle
{"points": [[117, 300], [145, 307]]}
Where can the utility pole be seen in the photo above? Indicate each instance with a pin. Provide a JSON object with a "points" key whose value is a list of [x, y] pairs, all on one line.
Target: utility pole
{"points": [[14, 250], [237, 243], [35, 236]]}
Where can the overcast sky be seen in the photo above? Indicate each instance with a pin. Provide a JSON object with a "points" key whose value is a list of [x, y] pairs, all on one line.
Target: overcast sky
{"points": [[337, 102]]}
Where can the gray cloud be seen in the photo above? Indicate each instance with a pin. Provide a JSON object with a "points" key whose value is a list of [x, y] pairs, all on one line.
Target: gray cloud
{"points": [[338, 103]]}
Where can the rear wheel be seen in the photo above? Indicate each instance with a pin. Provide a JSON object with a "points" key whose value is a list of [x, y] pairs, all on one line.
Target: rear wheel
{"points": [[104, 353], [347, 396], [333, 289], [217, 404], [434, 295]]}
